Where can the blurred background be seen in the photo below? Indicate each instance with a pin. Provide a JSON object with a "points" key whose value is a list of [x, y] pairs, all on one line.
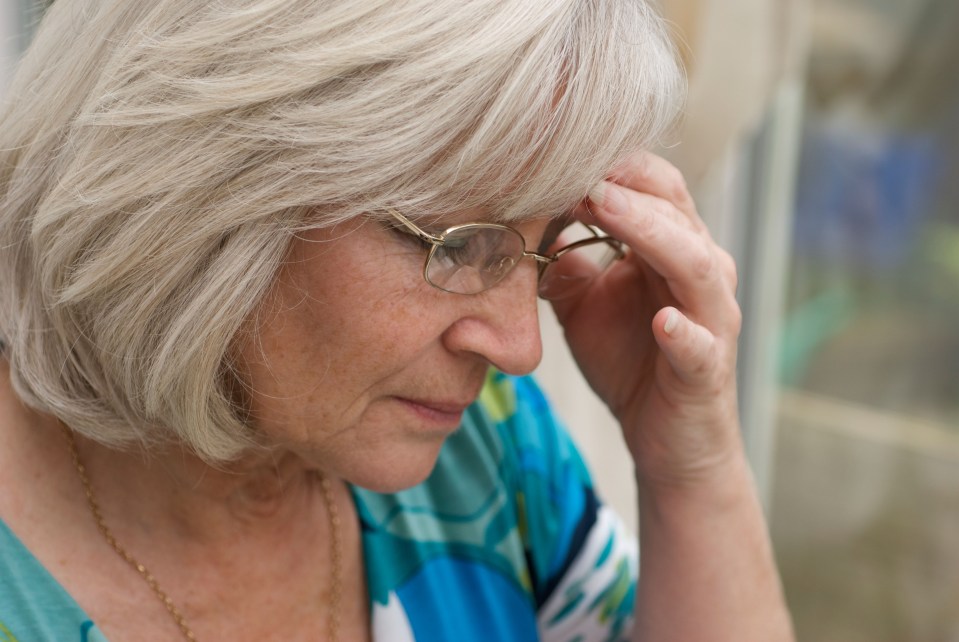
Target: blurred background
{"points": [[822, 143]]}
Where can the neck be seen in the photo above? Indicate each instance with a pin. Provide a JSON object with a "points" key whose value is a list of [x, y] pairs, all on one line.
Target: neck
{"points": [[170, 486], [219, 535], [203, 503]]}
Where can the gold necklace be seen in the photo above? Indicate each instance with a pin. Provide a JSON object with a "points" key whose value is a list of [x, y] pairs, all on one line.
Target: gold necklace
{"points": [[336, 561]]}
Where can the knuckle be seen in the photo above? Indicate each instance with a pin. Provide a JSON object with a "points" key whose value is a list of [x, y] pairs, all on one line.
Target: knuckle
{"points": [[703, 263], [664, 210], [676, 186], [735, 322], [696, 351], [706, 358], [721, 380], [729, 269], [702, 359], [644, 166], [706, 365], [646, 222]]}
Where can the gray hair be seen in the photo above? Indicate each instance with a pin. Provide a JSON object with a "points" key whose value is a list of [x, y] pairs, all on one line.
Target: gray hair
{"points": [[157, 157]]}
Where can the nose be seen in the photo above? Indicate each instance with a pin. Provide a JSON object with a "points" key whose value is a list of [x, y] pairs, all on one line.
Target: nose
{"points": [[501, 324]]}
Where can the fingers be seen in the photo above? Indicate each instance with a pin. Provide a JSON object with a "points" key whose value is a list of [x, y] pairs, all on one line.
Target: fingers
{"points": [[650, 174], [693, 352], [700, 275], [608, 193]]}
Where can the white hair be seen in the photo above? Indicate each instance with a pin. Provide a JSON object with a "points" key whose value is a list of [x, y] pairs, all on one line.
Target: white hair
{"points": [[157, 157]]}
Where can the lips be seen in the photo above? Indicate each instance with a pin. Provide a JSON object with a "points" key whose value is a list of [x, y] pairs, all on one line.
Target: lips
{"points": [[442, 407], [447, 407], [438, 411]]}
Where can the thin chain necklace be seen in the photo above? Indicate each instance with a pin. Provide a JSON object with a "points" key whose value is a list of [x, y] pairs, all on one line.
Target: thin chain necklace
{"points": [[336, 560]]}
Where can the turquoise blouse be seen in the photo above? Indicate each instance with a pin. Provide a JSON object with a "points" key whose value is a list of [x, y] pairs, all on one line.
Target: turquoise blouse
{"points": [[505, 540]]}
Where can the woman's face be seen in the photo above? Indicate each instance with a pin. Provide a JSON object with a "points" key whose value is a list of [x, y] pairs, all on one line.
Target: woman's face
{"points": [[363, 369]]}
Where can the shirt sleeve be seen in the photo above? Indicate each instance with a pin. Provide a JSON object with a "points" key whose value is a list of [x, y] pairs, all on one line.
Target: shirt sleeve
{"points": [[582, 560]]}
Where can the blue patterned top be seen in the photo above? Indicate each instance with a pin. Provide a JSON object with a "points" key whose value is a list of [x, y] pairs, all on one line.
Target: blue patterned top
{"points": [[505, 540]]}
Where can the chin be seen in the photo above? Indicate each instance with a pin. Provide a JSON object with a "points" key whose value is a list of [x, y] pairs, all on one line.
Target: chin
{"points": [[400, 470], [391, 483]]}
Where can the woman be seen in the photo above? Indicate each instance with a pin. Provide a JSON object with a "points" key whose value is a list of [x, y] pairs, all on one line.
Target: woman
{"points": [[269, 284]]}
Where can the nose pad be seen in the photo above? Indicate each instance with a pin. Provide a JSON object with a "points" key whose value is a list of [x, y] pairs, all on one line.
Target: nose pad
{"points": [[521, 275], [502, 267]]}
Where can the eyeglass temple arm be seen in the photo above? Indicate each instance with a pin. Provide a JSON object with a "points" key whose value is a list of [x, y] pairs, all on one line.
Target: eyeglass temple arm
{"points": [[597, 237], [408, 224]]}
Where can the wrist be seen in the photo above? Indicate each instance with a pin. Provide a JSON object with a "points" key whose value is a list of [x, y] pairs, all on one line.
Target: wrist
{"points": [[712, 483], [699, 452]]}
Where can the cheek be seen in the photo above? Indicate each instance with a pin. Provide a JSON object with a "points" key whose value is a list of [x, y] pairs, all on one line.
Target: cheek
{"points": [[333, 329], [364, 294], [332, 295]]}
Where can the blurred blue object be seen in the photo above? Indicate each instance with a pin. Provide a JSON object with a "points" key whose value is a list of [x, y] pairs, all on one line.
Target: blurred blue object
{"points": [[863, 194]]}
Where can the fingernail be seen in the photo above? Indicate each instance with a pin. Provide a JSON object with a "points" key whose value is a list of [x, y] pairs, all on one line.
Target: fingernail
{"points": [[672, 320], [598, 193], [610, 197]]}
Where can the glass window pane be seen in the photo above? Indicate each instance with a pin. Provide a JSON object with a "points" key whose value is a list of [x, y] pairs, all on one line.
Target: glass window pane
{"points": [[865, 511]]}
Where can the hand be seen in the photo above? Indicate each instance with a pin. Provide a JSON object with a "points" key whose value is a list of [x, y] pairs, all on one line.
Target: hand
{"points": [[655, 335]]}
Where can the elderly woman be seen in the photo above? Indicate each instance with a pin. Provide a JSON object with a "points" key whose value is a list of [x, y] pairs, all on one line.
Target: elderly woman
{"points": [[269, 295]]}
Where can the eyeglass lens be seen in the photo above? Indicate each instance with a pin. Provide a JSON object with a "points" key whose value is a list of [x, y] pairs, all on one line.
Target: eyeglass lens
{"points": [[576, 267], [474, 258], [477, 257]]}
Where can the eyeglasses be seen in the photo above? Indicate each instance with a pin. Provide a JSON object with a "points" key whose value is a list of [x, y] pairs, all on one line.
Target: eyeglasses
{"points": [[471, 258]]}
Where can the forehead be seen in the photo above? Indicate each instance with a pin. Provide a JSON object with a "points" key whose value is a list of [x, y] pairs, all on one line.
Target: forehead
{"points": [[492, 215]]}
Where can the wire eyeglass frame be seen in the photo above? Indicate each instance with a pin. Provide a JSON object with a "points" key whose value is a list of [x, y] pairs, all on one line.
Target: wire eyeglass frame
{"points": [[506, 263]]}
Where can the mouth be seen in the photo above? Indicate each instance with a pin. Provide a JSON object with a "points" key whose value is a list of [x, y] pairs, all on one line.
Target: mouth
{"points": [[438, 412]]}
